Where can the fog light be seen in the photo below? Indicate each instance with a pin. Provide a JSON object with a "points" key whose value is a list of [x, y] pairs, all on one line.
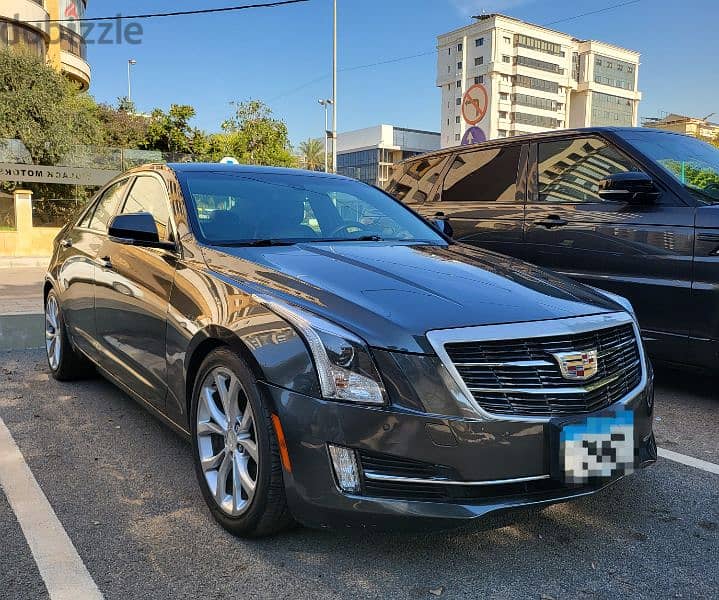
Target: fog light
{"points": [[345, 466]]}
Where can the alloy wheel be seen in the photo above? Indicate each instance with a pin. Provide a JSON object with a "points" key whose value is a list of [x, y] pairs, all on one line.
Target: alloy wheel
{"points": [[227, 441], [53, 337]]}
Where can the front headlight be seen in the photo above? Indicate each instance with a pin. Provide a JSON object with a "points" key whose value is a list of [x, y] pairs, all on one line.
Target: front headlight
{"points": [[345, 368]]}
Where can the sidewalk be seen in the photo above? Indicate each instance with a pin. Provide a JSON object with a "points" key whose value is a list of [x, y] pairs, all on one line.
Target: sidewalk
{"points": [[21, 309]]}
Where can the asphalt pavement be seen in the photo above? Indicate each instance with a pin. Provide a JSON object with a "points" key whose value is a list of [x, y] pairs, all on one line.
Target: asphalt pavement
{"points": [[123, 487]]}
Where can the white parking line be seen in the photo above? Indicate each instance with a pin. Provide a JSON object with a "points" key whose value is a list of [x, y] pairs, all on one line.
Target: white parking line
{"points": [[697, 463], [60, 566]]}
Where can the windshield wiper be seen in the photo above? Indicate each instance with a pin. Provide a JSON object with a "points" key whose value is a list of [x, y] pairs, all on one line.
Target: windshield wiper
{"points": [[254, 243]]}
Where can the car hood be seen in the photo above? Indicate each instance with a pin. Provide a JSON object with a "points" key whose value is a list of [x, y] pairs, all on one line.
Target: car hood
{"points": [[392, 294]]}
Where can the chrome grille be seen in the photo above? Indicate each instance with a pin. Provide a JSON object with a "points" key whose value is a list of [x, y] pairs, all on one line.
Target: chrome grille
{"points": [[522, 378]]}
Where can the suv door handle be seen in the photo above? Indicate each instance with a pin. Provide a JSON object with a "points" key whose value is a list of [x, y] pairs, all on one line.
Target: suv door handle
{"points": [[105, 262], [551, 221]]}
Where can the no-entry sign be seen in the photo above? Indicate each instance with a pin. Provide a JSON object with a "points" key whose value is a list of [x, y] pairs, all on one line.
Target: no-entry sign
{"points": [[474, 104]]}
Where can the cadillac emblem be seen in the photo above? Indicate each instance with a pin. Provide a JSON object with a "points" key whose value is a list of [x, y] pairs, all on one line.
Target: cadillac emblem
{"points": [[577, 366]]}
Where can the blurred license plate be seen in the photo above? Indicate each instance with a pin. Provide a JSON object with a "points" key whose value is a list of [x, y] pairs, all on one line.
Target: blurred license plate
{"points": [[597, 447]]}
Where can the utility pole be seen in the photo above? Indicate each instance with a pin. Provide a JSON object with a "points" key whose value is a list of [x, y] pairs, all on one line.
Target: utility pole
{"points": [[130, 63], [326, 103], [334, 89]]}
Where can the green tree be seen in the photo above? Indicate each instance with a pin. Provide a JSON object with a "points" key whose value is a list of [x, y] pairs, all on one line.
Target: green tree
{"points": [[171, 131], [43, 109], [253, 136], [312, 154], [122, 127]]}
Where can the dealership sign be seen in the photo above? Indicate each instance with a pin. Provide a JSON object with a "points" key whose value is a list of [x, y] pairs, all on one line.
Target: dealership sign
{"points": [[43, 174]]}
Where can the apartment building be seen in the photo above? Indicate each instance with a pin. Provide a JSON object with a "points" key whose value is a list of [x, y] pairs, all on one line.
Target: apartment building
{"points": [[697, 127], [33, 25], [501, 76], [368, 154]]}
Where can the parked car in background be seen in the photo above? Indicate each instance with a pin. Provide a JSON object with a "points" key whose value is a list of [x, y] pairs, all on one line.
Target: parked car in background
{"points": [[629, 210], [337, 361]]}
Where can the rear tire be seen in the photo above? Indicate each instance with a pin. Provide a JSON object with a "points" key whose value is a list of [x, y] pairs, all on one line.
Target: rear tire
{"points": [[66, 363], [235, 449]]}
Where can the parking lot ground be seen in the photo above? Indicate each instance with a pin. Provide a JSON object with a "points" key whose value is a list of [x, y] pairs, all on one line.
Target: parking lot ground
{"points": [[123, 487]]}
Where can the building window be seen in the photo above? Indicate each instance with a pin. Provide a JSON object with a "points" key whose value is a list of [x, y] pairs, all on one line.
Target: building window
{"points": [[459, 47], [457, 137], [506, 78], [501, 133], [459, 65], [507, 39], [449, 51], [447, 121], [457, 120], [534, 102], [502, 114], [479, 79], [459, 101], [479, 42], [536, 84], [503, 96], [536, 120], [506, 59], [533, 63], [478, 61], [484, 176], [611, 110], [459, 84], [570, 170], [615, 73], [526, 41]]}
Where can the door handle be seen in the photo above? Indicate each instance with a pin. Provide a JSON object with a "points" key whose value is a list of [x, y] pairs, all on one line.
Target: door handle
{"points": [[66, 243], [551, 221], [105, 262]]}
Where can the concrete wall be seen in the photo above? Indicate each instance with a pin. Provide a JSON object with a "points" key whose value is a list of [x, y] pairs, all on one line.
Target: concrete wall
{"points": [[26, 240]]}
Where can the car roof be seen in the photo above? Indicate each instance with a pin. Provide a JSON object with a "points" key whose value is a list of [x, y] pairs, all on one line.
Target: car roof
{"points": [[539, 136], [224, 168]]}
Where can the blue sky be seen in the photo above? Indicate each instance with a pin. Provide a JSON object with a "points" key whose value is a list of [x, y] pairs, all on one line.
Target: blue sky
{"points": [[208, 61]]}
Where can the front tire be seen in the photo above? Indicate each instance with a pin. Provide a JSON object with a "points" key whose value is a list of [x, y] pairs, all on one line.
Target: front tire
{"points": [[65, 363], [235, 449]]}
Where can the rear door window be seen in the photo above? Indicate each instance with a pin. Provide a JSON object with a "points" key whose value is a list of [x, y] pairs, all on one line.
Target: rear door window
{"points": [[418, 180], [484, 176]]}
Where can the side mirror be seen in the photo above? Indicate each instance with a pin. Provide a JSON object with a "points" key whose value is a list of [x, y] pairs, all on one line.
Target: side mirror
{"points": [[441, 222], [137, 229], [633, 187]]}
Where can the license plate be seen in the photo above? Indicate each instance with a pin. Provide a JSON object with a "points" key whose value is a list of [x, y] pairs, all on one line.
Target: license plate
{"points": [[597, 447]]}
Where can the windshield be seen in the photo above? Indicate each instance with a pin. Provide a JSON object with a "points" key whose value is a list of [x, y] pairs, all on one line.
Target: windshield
{"points": [[267, 208], [690, 161]]}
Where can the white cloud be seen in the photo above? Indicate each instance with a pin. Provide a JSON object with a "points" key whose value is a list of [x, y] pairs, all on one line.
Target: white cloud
{"points": [[470, 8]]}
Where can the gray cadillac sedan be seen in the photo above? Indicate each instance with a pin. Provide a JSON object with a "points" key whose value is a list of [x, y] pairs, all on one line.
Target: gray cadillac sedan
{"points": [[335, 359]]}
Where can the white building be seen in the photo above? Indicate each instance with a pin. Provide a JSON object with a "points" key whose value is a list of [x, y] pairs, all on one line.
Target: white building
{"points": [[368, 154], [525, 78]]}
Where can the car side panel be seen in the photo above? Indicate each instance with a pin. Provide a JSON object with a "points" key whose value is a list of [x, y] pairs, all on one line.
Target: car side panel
{"points": [[705, 289]]}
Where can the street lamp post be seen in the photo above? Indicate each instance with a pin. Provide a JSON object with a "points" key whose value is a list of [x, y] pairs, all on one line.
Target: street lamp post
{"points": [[325, 104], [334, 89], [130, 63]]}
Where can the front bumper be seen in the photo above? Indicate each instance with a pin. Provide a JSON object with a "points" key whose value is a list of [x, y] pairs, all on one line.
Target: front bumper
{"points": [[400, 440]]}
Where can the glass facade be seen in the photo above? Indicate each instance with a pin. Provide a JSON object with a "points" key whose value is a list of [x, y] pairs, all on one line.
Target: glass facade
{"points": [[536, 120], [362, 165], [534, 101], [613, 72], [608, 110]]}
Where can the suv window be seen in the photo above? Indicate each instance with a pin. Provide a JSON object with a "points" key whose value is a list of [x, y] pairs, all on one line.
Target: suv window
{"points": [[484, 175], [570, 170], [417, 182], [107, 206], [148, 195]]}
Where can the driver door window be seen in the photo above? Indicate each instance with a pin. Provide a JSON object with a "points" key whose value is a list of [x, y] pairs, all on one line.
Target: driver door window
{"points": [[148, 195]]}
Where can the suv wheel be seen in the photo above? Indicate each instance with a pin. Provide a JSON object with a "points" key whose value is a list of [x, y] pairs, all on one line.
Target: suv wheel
{"points": [[64, 361], [235, 450]]}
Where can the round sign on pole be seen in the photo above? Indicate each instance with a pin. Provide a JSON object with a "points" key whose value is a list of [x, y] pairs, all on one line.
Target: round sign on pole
{"points": [[474, 104], [473, 135], [229, 160]]}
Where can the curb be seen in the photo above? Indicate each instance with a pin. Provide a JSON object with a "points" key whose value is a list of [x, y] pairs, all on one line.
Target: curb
{"points": [[11, 262]]}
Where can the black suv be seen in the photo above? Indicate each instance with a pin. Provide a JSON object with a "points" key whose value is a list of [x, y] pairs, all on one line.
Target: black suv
{"points": [[630, 210]]}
